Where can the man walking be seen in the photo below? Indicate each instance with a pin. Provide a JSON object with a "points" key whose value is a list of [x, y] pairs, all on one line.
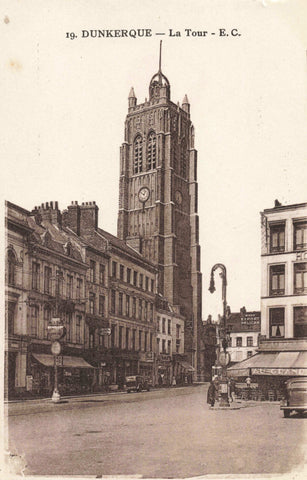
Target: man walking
{"points": [[211, 394]]}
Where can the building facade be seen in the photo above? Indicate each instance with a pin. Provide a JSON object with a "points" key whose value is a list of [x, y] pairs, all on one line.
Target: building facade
{"points": [[158, 200], [282, 351], [244, 331]]}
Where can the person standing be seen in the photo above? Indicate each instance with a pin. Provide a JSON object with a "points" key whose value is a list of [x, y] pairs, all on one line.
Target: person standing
{"points": [[232, 389], [211, 394]]}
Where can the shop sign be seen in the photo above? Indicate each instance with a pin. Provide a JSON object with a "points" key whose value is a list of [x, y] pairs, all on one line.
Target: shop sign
{"points": [[55, 348], [105, 331], [59, 360], [56, 329], [279, 371], [164, 357]]}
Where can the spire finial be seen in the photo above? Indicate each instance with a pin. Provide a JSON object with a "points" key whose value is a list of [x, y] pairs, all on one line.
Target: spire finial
{"points": [[160, 56]]}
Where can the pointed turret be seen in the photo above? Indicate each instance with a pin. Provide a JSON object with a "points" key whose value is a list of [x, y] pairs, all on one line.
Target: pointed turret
{"points": [[132, 99], [186, 104]]}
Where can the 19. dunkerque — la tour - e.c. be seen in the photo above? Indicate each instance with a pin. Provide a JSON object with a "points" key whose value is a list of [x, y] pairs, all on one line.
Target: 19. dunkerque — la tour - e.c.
{"points": [[148, 32]]}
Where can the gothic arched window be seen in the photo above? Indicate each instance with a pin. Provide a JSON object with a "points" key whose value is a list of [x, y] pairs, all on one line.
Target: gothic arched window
{"points": [[183, 159], [151, 151], [138, 155], [11, 267]]}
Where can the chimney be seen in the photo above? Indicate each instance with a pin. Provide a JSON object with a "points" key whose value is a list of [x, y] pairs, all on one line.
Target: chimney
{"points": [[71, 217], [88, 218], [49, 212]]}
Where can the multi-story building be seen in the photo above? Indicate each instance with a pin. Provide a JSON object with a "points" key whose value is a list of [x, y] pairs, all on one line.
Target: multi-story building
{"points": [[244, 330], [283, 342], [44, 272], [158, 200], [170, 359], [121, 286]]}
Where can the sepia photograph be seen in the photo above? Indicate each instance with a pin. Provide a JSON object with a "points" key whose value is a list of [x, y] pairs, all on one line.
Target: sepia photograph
{"points": [[154, 239]]}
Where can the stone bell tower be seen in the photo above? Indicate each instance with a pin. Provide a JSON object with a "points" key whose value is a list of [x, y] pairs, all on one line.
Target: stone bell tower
{"points": [[158, 213]]}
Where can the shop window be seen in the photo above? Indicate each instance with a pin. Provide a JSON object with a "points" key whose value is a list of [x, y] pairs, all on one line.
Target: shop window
{"points": [[128, 275], [300, 236], [277, 280], [35, 275], [92, 271], [113, 301], [277, 238], [239, 341], [300, 278], [114, 269], [34, 321], [102, 305], [11, 266], [47, 280], [92, 303], [121, 272], [249, 341], [102, 271], [300, 321], [120, 303], [277, 322]]}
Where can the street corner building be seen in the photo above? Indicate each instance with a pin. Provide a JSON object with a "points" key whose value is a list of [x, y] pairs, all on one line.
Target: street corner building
{"points": [[131, 303], [282, 350]]}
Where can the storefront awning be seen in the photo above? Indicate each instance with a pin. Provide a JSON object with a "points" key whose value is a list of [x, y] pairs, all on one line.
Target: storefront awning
{"points": [[279, 363], [68, 362], [187, 366]]}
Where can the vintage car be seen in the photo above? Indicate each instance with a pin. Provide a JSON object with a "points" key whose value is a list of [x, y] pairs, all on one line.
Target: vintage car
{"points": [[295, 398], [136, 383]]}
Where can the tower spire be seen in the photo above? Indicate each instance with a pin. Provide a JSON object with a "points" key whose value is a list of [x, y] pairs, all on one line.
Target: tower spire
{"points": [[160, 60]]}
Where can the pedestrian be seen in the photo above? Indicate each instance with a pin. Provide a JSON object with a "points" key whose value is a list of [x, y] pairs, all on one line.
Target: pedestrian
{"points": [[174, 381], [211, 394], [232, 389]]}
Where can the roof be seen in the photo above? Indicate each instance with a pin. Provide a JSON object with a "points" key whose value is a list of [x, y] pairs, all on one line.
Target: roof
{"points": [[285, 207]]}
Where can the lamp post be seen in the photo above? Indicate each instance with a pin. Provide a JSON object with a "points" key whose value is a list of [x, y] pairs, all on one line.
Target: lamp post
{"points": [[223, 356]]}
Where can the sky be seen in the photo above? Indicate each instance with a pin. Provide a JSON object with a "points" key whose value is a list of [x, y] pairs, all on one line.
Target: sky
{"points": [[66, 100]]}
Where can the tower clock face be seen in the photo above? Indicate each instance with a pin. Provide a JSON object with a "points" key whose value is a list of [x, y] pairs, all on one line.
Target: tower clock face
{"points": [[178, 197], [143, 194]]}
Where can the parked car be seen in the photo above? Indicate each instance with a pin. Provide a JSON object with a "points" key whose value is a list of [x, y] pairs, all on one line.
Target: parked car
{"points": [[295, 396], [136, 383]]}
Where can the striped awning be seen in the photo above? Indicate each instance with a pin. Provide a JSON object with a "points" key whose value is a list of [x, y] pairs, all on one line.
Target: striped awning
{"points": [[278, 363], [66, 361]]}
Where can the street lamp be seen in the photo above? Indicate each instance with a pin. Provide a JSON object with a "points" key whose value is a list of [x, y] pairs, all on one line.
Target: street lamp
{"points": [[223, 357]]}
